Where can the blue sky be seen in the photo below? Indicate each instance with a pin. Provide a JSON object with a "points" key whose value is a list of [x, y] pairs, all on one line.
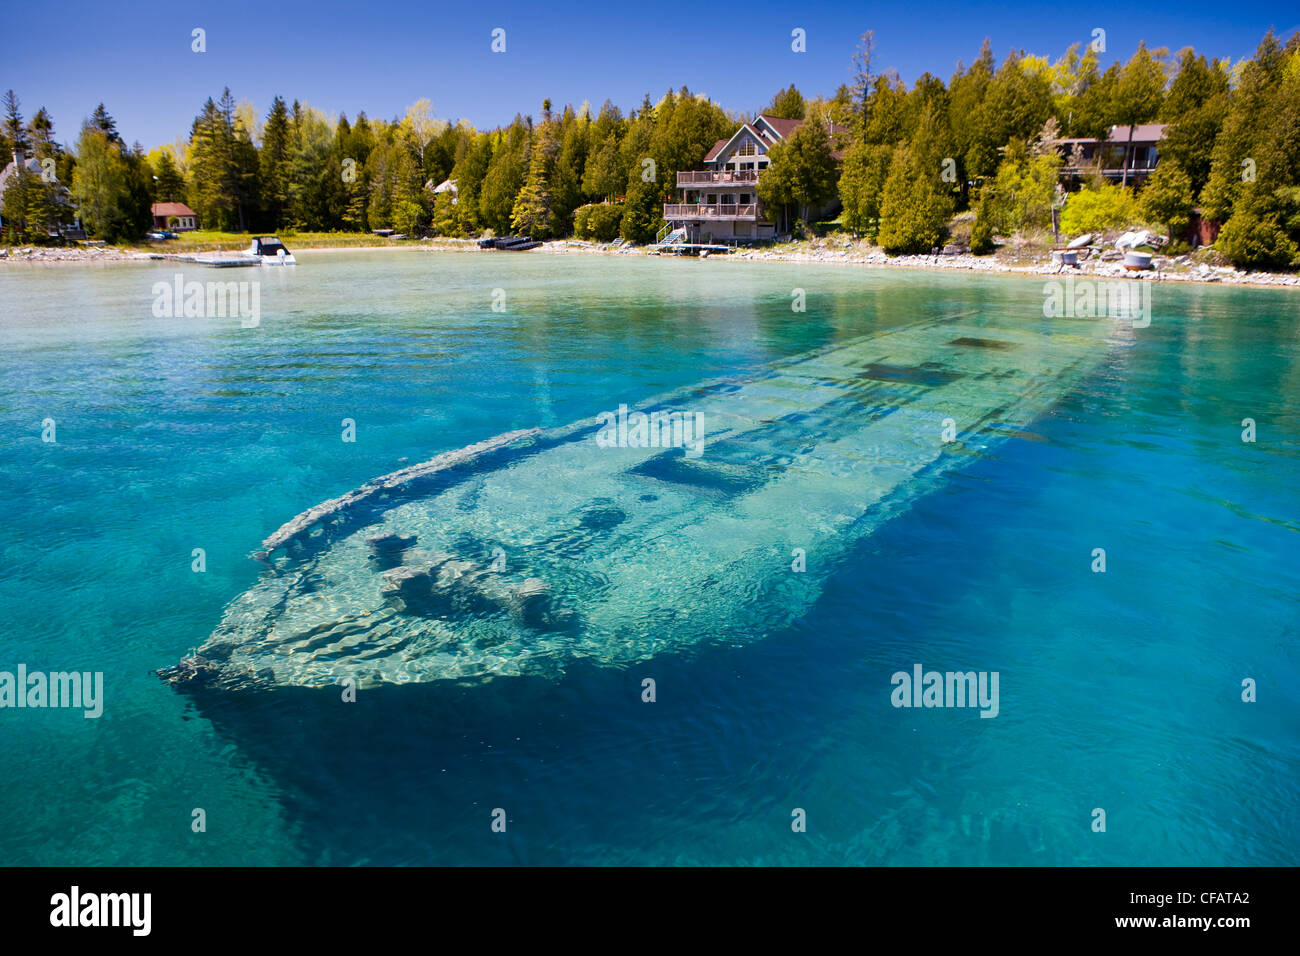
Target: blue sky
{"points": [[382, 56]]}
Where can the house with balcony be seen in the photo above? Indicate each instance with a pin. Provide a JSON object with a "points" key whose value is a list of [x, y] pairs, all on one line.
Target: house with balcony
{"points": [[719, 204], [1085, 156]]}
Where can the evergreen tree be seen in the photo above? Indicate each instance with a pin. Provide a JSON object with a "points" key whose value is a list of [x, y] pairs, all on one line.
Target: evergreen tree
{"points": [[914, 210], [1168, 197], [168, 183], [533, 212], [1138, 95], [504, 177], [40, 133], [469, 173], [101, 120], [1237, 150], [101, 185], [223, 166], [1195, 109], [787, 104], [642, 212], [14, 131], [274, 165], [801, 171], [862, 183], [570, 164]]}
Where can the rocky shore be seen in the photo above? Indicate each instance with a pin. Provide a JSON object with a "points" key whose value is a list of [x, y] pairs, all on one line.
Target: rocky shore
{"points": [[834, 251], [70, 254]]}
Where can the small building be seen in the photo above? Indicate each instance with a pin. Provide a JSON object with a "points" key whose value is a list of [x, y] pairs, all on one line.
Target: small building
{"points": [[720, 202], [175, 216], [446, 186], [1083, 157]]}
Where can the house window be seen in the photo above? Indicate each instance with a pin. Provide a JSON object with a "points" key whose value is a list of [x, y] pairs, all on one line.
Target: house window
{"points": [[744, 199]]}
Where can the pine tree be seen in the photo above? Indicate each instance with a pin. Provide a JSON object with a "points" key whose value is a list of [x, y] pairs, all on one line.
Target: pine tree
{"points": [[566, 179], [1138, 95], [168, 183], [274, 165], [802, 169], [1168, 197], [14, 130], [504, 177], [862, 183], [914, 209], [787, 104], [1195, 108], [101, 120], [534, 213]]}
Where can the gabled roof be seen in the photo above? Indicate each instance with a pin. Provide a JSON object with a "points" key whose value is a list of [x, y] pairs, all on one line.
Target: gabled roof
{"points": [[723, 144], [783, 127], [763, 128], [717, 148], [31, 162], [171, 209]]}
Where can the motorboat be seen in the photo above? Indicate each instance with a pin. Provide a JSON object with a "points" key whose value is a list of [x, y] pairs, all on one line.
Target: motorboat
{"points": [[271, 251]]}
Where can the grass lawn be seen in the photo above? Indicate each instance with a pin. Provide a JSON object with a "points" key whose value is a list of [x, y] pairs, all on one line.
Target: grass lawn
{"points": [[210, 240]]}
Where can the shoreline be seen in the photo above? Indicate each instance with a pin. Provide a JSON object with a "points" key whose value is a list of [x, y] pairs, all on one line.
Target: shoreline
{"points": [[822, 252]]}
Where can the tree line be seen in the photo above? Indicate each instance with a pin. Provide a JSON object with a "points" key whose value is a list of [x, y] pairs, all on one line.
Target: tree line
{"points": [[988, 141], [901, 162]]}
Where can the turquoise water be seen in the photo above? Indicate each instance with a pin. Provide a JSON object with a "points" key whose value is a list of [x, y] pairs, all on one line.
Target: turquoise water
{"points": [[1118, 690]]}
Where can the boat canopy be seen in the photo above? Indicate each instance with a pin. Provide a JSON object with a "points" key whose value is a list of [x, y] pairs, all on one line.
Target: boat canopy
{"points": [[268, 246]]}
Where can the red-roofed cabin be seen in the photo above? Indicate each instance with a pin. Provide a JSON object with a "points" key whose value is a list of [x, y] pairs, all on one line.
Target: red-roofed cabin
{"points": [[175, 216]]}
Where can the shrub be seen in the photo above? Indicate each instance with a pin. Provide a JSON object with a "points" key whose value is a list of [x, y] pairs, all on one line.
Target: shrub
{"points": [[1167, 198], [1020, 197], [642, 213], [981, 236], [598, 222], [1252, 242], [1093, 210]]}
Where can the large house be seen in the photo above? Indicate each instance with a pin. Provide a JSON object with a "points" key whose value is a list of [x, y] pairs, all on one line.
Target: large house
{"points": [[174, 216], [63, 210], [720, 202], [1083, 156]]}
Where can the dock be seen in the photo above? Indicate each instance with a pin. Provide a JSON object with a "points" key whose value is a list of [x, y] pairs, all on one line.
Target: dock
{"points": [[225, 262], [688, 248], [215, 260]]}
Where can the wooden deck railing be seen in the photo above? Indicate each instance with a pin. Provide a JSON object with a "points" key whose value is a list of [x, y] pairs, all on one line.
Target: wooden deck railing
{"points": [[709, 177], [711, 211]]}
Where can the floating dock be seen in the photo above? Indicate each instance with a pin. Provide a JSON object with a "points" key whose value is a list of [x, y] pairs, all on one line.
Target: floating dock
{"points": [[225, 262], [688, 248]]}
